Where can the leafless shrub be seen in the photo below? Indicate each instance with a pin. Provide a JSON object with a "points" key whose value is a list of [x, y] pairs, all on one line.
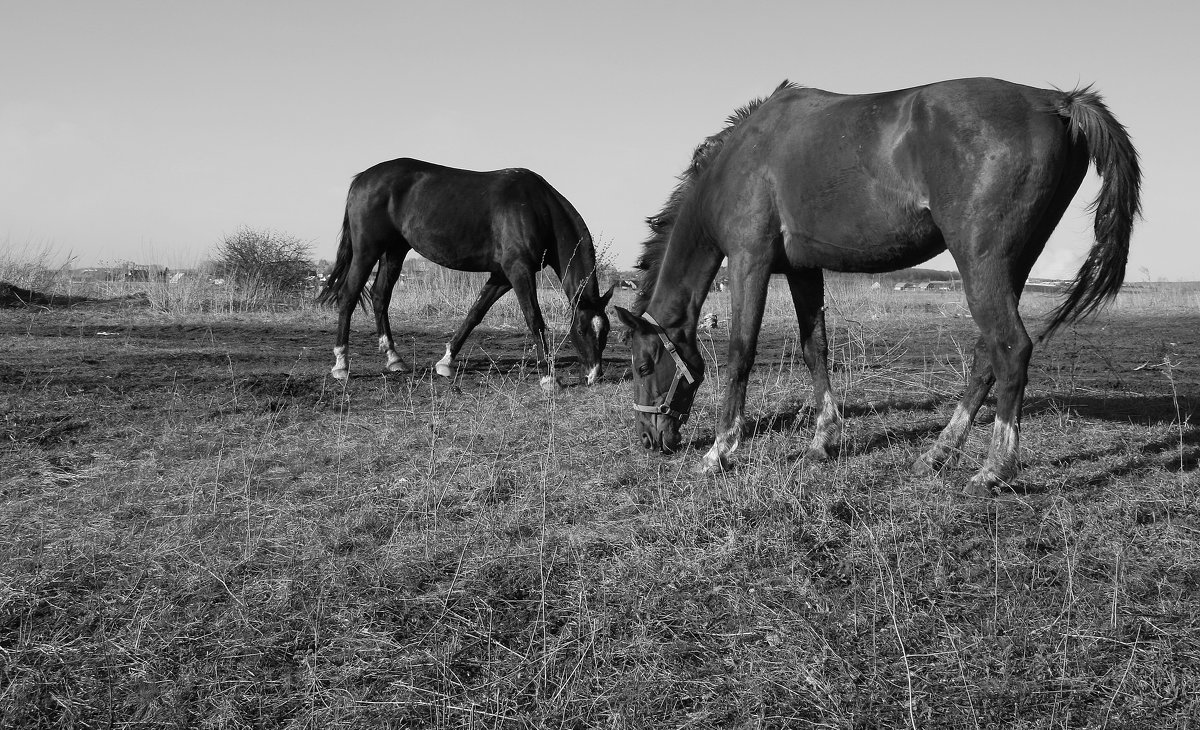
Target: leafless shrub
{"points": [[273, 258]]}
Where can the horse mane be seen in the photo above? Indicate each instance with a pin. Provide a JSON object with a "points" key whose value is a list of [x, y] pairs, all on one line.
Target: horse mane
{"points": [[661, 225]]}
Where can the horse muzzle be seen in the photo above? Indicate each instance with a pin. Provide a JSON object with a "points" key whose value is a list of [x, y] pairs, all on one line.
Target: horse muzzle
{"points": [[666, 440]]}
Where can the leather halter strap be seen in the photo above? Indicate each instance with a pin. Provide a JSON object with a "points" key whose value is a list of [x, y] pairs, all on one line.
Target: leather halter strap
{"points": [[682, 372]]}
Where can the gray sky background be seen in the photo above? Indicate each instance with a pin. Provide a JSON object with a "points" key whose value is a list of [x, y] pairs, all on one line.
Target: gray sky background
{"points": [[147, 130]]}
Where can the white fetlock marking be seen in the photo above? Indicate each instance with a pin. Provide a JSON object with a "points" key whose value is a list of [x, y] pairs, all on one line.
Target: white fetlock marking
{"points": [[718, 457], [829, 424], [385, 343], [341, 367], [960, 422], [714, 459], [1005, 438], [444, 366], [395, 363]]}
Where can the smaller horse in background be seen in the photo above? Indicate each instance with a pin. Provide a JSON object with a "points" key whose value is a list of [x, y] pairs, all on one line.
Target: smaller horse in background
{"points": [[510, 223], [807, 180]]}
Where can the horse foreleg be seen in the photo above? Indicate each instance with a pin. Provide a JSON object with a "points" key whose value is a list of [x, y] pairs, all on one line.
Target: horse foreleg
{"points": [[749, 295], [808, 297], [525, 288], [495, 288]]}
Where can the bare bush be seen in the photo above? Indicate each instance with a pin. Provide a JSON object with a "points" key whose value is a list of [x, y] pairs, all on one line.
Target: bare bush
{"points": [[274, 258]]}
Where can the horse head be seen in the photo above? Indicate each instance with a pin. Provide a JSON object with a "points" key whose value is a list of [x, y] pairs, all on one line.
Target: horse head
{"points": [[589, 334], [664, 385]]}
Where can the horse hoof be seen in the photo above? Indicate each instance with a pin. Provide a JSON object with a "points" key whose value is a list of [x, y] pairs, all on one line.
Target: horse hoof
{"points": [[924, 467], [444, 370], [398, 367], [551, 384], [986, 483], [815, 454], [714, 464], [979, 487], [340, 373]]}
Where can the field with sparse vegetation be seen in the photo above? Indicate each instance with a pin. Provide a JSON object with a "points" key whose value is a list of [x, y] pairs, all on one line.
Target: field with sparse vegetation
{"points": [[202, 529]]}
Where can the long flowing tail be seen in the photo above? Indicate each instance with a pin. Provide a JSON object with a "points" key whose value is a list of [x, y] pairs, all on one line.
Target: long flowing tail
{"points": [[332, 293], [1118, 204]]}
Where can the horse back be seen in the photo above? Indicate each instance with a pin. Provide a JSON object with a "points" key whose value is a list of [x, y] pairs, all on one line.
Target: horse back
{"points": [[461, 219], [853, 180]]}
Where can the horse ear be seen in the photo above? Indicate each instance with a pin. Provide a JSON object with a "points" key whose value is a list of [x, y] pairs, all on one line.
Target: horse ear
{"points": [[629, 319], [607, 296]]}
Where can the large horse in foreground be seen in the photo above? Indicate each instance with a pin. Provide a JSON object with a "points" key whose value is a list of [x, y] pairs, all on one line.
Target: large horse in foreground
{"points": [[807, 180], [510, 223]]}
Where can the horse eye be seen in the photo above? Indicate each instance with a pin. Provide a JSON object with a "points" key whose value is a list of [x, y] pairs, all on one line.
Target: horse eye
{"points": [[645, 369]]}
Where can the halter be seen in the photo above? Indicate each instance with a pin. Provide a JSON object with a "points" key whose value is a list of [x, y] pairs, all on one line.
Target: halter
{"points": [[681, 372]]}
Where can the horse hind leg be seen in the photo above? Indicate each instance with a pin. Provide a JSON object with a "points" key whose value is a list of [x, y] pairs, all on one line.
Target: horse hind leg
{"points": [[390, 266], [495, 288], [1001, 360], [946, 451], [808, 297], [356, 278], [1002, 352]]}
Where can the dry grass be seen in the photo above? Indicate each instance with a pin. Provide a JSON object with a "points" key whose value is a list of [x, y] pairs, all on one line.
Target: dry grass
{"points": [[204, 530]]}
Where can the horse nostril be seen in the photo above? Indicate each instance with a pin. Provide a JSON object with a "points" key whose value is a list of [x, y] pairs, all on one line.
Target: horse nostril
{"points": [[647, 441]]}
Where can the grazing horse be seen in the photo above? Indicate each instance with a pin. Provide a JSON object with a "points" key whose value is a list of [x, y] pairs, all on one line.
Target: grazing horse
{"points": [[807, 180], [510, 223]]}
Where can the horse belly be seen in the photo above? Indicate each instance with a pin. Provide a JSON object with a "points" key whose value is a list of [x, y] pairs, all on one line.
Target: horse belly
{"points": [[453, 252], [866, 243], [453, 236]]}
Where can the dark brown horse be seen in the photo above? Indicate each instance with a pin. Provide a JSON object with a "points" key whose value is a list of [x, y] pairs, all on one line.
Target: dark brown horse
{"points": [[510, 223], [807, 180]]}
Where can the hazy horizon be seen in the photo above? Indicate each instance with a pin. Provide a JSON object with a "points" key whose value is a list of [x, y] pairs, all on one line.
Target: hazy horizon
{"points": [[146, 132]]}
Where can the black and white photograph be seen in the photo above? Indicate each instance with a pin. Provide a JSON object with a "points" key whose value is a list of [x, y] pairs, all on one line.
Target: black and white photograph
{"points": [[757, 365]]}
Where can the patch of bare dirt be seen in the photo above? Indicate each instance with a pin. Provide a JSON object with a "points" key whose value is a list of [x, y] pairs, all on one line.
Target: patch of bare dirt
{"points": [[15, 297]]}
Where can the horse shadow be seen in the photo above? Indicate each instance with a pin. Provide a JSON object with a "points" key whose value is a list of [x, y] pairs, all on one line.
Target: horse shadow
{"points": [[1172, 452]]}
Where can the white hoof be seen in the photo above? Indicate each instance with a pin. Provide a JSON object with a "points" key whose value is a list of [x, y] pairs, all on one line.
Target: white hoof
{"points": [[714, 463], [444, 370], [340, 373]]}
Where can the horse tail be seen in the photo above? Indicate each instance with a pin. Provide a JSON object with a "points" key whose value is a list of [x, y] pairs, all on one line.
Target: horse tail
{"points": [[332, 293], [1115, 207]]}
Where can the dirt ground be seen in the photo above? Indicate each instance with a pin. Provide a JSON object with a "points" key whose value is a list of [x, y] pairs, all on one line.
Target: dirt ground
{"points": [[1118, 367], [203, 527]]}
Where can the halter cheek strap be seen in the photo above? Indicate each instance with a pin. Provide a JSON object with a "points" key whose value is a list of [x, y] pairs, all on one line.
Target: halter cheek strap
{"points": [[682, 372]]}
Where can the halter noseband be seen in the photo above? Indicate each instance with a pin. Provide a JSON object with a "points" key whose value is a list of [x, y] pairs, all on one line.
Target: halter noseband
{"points": [[682, 372]]}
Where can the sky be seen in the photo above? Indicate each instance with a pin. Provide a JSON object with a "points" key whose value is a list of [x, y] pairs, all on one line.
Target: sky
{"points": [[147, 131]]}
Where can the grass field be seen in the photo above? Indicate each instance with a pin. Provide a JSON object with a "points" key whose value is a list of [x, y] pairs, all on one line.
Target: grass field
{"points": [[202, 529]]}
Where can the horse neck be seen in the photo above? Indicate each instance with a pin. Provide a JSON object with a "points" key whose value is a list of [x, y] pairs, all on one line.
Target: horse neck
{"points": [[576, 268], [685, 274]]}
